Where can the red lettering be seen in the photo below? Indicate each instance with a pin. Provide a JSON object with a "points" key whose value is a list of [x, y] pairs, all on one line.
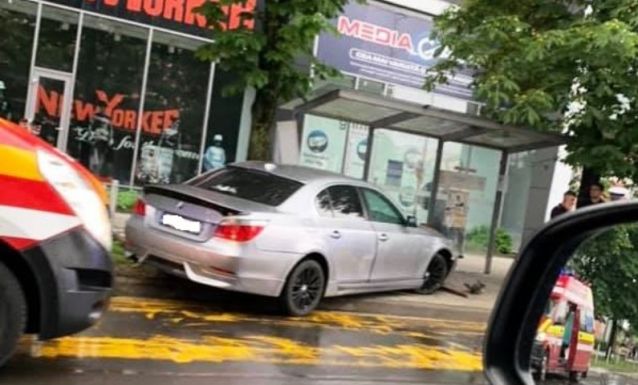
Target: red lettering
{"points": [[238, 14], [110, 103], [83, 111], [146, 124], [129, 120], [170, 116], [192, 17], [384, 36], [367, 32], [134, 5], [174, 10], [156, 122], [153, 7], [50, 103], [405, 42], [118, 118], [111, 3], [347, 27]]}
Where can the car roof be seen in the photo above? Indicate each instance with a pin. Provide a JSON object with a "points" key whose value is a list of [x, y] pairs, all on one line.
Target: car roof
{"points": [[302, 174]]}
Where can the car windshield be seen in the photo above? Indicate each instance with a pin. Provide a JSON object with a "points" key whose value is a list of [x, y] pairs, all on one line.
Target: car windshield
{"points": [[252, 185]]}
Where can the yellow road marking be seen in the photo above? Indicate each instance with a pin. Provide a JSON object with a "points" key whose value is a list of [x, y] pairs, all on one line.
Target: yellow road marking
{"points": [[380, 324], [259, 349]]}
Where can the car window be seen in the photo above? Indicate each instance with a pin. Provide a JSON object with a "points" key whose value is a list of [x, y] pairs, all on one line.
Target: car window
{"points": [[252, 185], [322, 201], [380, 209], [345, 201]]}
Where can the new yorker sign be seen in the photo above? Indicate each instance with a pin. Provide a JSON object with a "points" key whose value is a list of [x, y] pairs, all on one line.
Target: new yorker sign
{"points": [[177, 15]]}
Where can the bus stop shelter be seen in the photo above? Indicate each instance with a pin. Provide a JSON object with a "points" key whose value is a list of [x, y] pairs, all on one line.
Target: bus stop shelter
{"points": [[381, 112]]}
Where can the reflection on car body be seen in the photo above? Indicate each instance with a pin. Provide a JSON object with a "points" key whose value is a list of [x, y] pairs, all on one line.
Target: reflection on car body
{"points": [[286, 231]]}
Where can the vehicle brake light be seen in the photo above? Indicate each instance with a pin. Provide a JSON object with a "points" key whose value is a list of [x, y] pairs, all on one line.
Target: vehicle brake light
{"points": [[238, 231], [139, 208]]}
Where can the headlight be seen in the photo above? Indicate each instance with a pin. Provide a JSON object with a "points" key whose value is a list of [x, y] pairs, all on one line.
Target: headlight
{"points": [[78, 194], [540, 337]]}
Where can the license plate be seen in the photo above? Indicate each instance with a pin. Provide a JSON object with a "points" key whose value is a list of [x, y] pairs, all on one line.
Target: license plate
{"points": [[180, 223]]}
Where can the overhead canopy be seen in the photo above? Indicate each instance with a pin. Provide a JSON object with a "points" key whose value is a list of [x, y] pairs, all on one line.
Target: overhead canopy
{"points": [[384, 112]]}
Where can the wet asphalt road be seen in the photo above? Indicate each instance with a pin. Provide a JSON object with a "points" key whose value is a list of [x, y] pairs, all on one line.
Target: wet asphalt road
{"points": [[150, 341], [144, 341]]}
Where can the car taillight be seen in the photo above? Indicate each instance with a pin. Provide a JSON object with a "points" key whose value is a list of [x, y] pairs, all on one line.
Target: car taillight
{"points": [[139, 208], [238, 231]]}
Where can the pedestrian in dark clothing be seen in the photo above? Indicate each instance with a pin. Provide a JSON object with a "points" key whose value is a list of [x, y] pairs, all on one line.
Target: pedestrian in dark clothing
{"points": [[567, 205], [595, 196]]}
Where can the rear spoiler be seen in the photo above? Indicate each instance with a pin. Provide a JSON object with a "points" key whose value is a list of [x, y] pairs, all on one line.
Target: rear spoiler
{"points": [[185, 193]]}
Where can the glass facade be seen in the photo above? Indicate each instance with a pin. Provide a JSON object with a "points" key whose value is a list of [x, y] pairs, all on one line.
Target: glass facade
{"points": [[128, 100]]}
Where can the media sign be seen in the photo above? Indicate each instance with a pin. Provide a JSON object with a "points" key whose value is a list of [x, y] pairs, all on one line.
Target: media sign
{"points": [[385, 45]]}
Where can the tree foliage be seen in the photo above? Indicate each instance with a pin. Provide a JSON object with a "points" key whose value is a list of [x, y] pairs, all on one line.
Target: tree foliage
{"points": [[274, 58], [562, 66], [609, 262]]}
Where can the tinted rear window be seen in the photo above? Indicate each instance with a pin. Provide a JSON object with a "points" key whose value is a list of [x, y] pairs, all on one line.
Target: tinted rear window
{"points": [[251, 185]]}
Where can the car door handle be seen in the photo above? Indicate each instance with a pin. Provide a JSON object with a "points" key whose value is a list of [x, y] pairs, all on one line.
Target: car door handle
{"points": [[335, 234], [383, 237]]}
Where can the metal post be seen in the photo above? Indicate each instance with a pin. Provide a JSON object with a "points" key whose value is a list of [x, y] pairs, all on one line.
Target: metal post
{"points": [[496, 212], [209, 96], [369, 143], [115, 187], [140, 108], [435, 181]]}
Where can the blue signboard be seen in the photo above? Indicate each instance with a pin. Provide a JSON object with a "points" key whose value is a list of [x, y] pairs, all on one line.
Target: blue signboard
{"points": [[386, 45]]}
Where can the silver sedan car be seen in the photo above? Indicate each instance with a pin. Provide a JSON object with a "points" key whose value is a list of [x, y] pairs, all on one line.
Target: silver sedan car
{"points": [[290, 232]]}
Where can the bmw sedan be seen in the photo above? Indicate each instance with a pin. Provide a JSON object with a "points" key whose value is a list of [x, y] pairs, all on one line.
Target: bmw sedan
{"points": [[289, 232]]}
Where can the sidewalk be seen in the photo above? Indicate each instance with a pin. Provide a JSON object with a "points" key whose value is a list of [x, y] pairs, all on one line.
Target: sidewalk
{"points": [[469, 270]]}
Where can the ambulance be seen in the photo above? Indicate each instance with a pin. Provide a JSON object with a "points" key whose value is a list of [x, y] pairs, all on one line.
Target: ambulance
{"points": [[565, 339], [55, 237]]}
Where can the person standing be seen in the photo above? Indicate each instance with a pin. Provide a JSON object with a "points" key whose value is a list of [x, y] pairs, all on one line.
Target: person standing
{"points": [[595, 195], [568, 204], [215, 155]]}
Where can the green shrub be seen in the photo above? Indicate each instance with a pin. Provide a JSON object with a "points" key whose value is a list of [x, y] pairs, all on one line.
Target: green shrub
{"points": [[125, 200], [479, 237]]}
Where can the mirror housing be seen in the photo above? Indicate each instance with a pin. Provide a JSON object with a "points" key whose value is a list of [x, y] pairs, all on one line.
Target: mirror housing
{"points": [[519, 307], [410, 221]]}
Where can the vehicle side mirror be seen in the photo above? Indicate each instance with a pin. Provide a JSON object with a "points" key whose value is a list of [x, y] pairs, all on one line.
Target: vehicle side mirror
{"points": [[580, 260], [410, 221]]}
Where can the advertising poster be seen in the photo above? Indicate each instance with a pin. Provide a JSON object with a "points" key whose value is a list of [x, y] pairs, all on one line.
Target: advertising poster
{"points": [[323, 142], [386, 45]]}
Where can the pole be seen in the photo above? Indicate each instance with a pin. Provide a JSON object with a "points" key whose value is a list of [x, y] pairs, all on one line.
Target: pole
{"points": [[435, 182], [496, 212], [115, 186], [369, 143]]}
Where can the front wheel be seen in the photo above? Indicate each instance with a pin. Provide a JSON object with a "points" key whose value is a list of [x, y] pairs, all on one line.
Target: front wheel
{"points": [[435, 275], [13, 310], [304, 288]]}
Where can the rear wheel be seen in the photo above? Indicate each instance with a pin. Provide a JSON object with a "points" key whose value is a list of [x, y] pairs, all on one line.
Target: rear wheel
{"points": [[574, 376], [13, 313], [304, 288], [435, 275], [541, 371]]}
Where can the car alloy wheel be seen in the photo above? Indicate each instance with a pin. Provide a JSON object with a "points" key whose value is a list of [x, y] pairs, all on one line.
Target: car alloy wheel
{"points": [[435, 275], [304, 288]]}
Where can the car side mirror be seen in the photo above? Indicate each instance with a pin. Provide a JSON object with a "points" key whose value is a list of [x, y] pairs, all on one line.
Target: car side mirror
{"points": [[583, 260], [410, 221]]}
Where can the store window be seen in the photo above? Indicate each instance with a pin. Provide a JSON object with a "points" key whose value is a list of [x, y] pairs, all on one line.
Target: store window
{"points": [[17, 28], [323, 143], [107, 96], [402, 165], [223, 123], [466, 196], [174, 111], [56, 41]]}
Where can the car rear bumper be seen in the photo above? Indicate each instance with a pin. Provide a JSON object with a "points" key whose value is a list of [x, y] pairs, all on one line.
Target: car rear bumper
{"points": [[75, 276], [217, 263]]}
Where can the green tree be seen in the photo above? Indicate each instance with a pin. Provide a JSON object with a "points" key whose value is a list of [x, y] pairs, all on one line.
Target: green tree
{"points": [[275, 58], [562, 66], [609, 262]]}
